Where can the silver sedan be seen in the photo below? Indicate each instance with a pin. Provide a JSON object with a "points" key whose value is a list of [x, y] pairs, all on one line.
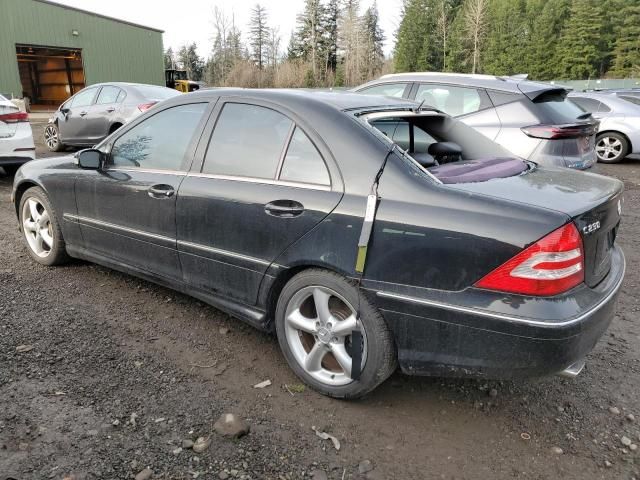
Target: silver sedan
{"points": [[95, 112], [619, 132]]}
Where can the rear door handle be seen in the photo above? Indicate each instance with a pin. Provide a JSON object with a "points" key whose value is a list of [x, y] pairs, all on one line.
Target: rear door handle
{"points": [[161, 191], [111, 109], [82, 114], [284, 208]]}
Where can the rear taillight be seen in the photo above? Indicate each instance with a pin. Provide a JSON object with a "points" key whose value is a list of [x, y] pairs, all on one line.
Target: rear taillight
{"points": [[14, 117], [554, 132], [550, 266], [143, 107]]}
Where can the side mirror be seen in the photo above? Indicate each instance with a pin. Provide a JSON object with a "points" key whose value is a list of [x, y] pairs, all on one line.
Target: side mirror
{"points": [[64, 110], [90, 159]]}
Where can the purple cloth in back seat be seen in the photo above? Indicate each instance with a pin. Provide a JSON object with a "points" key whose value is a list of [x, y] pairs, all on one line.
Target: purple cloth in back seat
{"points": [[470, 171]]}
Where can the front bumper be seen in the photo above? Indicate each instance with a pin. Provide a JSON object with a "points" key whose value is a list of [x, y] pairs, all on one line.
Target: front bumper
{"points": [[486, 334]]}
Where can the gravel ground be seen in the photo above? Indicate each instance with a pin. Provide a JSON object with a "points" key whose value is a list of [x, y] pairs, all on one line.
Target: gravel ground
{"points": [[122, 371]]}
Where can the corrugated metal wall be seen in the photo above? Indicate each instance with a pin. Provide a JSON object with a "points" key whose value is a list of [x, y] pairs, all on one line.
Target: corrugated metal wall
{"points": [[111, 50]]}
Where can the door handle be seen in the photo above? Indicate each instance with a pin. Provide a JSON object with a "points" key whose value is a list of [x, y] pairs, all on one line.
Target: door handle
{"points": [[111, 110], [161, 191], [284, 208], [82, 114]]}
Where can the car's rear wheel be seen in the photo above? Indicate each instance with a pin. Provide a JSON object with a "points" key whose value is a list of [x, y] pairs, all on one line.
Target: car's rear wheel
{"points": [[316, 317], [611, 147], [41, 229], [52, 138]]}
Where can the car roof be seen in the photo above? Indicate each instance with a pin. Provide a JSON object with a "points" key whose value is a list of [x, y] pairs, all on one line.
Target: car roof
{"points": [[513, 84], [300, 98], [124, 85]]}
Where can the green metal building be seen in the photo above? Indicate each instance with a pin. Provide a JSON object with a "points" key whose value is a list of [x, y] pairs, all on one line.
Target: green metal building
{"points": [[49, 51]]}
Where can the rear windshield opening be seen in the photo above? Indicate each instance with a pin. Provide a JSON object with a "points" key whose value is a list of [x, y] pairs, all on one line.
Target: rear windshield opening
{"points": [[448, 149]]}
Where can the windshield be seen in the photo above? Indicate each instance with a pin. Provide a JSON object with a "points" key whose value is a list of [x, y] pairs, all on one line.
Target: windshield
{"points": [[151, 92]]}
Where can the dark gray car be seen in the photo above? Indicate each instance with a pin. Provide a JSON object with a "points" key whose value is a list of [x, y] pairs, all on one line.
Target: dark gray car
{"points": [[95, 112], [532, 120]]}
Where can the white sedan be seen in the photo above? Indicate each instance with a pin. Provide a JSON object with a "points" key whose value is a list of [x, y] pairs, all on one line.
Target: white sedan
{"points": [[16, 138]]}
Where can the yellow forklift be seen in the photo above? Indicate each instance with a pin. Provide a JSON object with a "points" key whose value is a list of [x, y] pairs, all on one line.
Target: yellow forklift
{"points": [[177, 79]]}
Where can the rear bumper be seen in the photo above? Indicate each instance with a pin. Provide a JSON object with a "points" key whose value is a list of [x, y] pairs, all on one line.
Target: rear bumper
{"points": [[19, 147], [498, 336]]}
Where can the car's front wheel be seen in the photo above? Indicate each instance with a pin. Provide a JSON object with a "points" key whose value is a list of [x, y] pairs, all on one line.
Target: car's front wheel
{"points": [[41, 229], [52, 138], [316, 320], [611, 147]]}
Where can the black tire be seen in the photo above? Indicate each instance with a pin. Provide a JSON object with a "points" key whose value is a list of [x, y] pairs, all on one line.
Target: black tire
{"points": [[381, 356], [11, 170], [611, 147], [52, 138], [57, 254]]}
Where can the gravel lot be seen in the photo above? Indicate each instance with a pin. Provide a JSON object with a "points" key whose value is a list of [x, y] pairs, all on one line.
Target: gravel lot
{"points": [[122, 371]]}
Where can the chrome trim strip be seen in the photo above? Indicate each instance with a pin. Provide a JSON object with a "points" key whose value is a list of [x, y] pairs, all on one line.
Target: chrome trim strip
{"points": [[97, 223], [285, 149], [225, 253], [197, 246], [309, 186], [180, 173], [509, 318]]}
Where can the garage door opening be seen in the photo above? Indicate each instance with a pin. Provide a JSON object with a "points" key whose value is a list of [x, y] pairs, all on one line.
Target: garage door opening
{"points": [[49, 75]]}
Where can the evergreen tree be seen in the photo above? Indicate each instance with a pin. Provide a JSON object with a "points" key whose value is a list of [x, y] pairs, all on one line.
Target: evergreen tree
{"points": [[507, 40], [259, 35], [626, 55], [373, 42], [579, 52], [169, 59], [547, 22], [307, 42], [415, 33], [330, 34], [189, 60]]}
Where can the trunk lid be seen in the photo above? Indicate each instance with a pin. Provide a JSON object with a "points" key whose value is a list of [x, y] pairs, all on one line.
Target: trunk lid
{"points": [[593, 202]]}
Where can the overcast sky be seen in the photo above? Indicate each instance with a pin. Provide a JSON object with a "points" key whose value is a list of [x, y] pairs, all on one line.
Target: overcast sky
{"points": [[191, 20]]}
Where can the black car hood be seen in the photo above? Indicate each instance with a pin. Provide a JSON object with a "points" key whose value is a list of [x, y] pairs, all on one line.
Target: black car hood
{"points": [[559, 189]]}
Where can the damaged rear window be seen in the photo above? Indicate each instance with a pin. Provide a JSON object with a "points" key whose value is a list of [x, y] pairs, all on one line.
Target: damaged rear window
{"points": [[447, 149]]}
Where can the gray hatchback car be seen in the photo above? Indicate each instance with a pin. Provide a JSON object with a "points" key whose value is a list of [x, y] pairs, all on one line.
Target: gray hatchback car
{"points": [[532, 120], [95, 112]]}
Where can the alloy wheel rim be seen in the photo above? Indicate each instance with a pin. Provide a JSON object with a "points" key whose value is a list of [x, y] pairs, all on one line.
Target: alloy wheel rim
{"points": [[608, 148], [51, 137], [318, 328], [37, 227]]}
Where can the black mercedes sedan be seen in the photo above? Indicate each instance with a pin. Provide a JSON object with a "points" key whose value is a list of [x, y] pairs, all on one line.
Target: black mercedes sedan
{"points": [[365, 231]]}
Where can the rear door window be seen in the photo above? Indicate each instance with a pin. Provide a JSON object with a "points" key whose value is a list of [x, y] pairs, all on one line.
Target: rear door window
{"points": [[303, 163], [387, 89], [455, 101], [248, 141], [108, 94]]}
